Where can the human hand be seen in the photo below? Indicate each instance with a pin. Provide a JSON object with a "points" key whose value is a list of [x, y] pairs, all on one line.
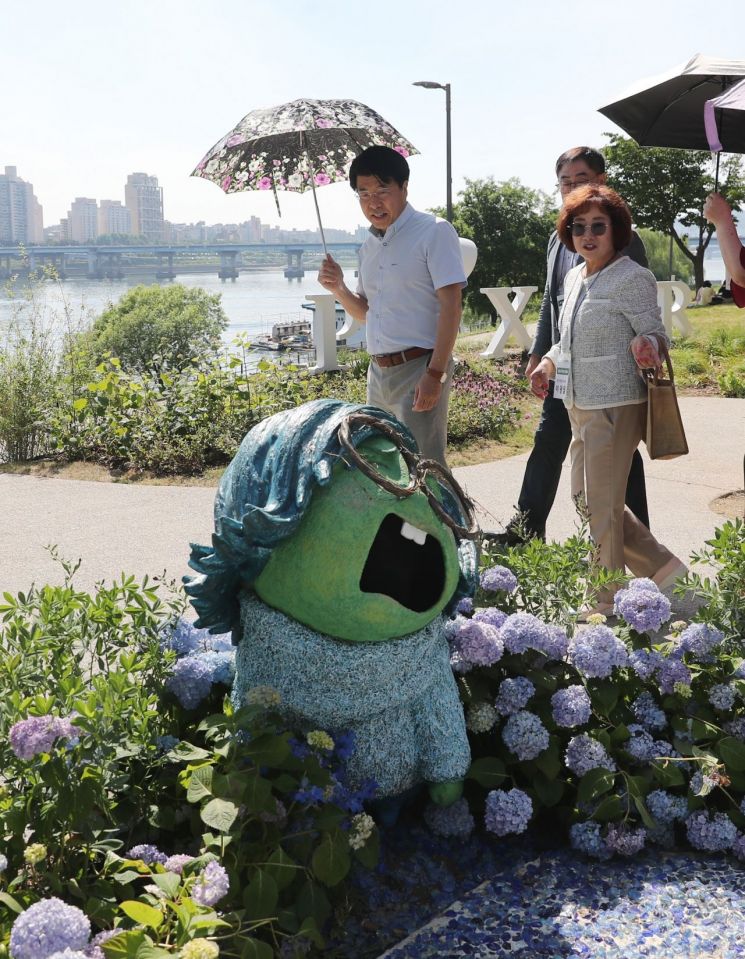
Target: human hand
{"points": [[646, 352], [541, 377], [426, 394], [716, 209], [533, 361], [445, 794], [331, 275]]}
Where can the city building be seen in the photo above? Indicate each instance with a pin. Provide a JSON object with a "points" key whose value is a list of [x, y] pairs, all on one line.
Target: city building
{"points": [[113, 217], [82, 220], [21, 218], [144, 200]]}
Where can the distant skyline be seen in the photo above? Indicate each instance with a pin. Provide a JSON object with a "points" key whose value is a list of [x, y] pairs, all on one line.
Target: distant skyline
{"points": [[93, 92]]}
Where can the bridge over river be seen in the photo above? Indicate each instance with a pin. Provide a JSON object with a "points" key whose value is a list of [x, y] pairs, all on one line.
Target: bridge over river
{"points": [[111, 262]]}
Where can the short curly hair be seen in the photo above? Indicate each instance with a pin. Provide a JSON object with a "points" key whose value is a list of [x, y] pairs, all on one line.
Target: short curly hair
{"points": [[580, 200]]}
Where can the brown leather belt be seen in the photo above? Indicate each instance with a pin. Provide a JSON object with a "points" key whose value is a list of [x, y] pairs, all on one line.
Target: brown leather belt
{"points": [[385, 360]]}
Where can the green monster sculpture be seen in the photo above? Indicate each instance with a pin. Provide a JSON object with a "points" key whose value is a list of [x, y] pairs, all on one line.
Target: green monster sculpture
{"points": [[337, 554]]}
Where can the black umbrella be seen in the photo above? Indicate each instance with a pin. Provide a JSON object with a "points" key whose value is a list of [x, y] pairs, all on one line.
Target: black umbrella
{"points": [[668, 110]]}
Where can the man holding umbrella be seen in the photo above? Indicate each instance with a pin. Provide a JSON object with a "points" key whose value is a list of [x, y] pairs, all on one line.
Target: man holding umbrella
{"points": [[409, 296]]}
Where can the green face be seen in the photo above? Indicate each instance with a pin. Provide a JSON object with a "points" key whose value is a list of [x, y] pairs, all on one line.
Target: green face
{"points": [[364, 565]]}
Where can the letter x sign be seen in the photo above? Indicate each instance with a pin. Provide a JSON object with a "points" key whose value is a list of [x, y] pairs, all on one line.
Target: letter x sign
{"points": [[509, 312]]}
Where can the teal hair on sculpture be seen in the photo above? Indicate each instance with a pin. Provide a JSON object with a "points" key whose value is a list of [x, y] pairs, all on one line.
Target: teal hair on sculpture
{"points": [[263, 495]]}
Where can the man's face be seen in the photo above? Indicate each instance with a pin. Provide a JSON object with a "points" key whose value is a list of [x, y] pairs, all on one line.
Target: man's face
{"points": [[574, 174], [382, 203]]}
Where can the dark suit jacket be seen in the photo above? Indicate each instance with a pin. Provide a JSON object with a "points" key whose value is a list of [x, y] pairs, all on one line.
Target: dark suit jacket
{"points": [[547, 331]]}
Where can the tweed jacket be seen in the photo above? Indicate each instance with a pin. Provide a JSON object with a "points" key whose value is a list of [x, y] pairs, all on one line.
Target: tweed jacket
{"points": [[600, 317]]}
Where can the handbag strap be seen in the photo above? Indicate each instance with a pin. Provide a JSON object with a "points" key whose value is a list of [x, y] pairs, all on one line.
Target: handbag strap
{"points": [[653, 375]]}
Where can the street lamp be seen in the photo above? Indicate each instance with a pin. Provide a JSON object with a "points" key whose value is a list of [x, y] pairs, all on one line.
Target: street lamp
{"points": [[431, 85]]}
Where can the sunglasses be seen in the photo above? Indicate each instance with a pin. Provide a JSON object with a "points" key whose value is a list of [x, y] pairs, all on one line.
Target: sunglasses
{"points": [[597, 229]]}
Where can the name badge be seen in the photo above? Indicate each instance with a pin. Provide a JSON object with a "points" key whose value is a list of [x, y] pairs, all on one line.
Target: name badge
{"points": [[561, 382]]}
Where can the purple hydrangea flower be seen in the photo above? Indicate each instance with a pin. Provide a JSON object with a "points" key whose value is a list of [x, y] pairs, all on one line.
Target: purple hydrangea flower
{"points": [[37, 734], [585, 753], [94, 950], [700, 639], [736, 727], [465, 606], [702, 784], [514, 694], [221, 664], [722, 697], [69, 954], [712, 831], [455, 820], [459, 664], [557, 642], [525, 735], [149, 854], [645, 662], [640, 745], [46, 927], [643, 606], [453, 627], [671, 672], [211, 885], [738, 847], [665, 808], [523, 631], [586, 837], [479, 643], [625, 840], [496, 578], [491, 615], [176, 863], [648, 713], [571, 706], [596, 651], [190, 680], [507, 812]]}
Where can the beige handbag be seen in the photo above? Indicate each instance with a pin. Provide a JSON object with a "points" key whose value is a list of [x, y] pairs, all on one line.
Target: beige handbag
{"points": [[665, 437]]}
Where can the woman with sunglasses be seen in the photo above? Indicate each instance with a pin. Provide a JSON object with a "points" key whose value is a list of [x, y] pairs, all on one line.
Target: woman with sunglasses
{"points": [[610, 326]]}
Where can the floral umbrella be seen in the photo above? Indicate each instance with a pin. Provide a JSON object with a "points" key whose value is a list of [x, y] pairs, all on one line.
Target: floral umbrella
{"points": [[297, 146]]}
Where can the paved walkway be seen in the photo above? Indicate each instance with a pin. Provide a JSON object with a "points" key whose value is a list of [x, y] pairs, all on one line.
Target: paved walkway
{"points": [[141, 530]]}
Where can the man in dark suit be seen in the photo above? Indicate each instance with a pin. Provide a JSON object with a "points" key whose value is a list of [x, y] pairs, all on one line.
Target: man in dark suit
{"points": [[576, 167]]}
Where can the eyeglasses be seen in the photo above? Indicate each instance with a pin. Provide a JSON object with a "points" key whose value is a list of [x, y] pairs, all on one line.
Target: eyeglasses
{"points": [[567, 185], [365, 196], [452, 505], [597, 229]]}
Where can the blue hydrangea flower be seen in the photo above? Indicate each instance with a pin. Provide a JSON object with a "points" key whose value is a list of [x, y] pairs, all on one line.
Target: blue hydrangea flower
{"points": [[640, 744], [624, 839], [176, 863], [738, 847], [586, 837], [514, 694], [491, 615], [525, 735], [221, 664], [496, 578], [211, 885], [453, 627], [190, 680], [69, 954], [465, 606], [459, 664], [645, 662], [166, 743], [94, 949], [507, 812], [523, 631], [185, 639], [571, 706], [739, 672], [712, 831], [479, 643], [736, 727], [665, 807], [642, 605], [595, 651], [670, 673], [148, 853], [722, 697], [702, 784], [46, 927], [648, 713], [455, 820], [699, 639], [481, 717], [584, 753], [557, 643], [37, 734]]}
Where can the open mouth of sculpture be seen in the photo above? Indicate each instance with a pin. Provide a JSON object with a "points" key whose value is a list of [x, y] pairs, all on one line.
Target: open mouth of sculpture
{"points": [[405, 563]]}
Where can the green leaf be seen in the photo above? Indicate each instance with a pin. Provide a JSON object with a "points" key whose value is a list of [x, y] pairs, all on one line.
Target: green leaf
{"points": [[261, 896], [255, 949], [282, 868], [549, 762], [312, 901], [189, 753], [369, 854], [200, 784], [331, 860], [258, 795], [11, 903], [149, 951], [549, 791], [594, 783], [309, 930], [605, 695], [608, 809], [141, 913], [644, 813], [125, 945], [169, 882], [732, 752], [125, 877], [488, 771], [220, 814], [268, 750]]}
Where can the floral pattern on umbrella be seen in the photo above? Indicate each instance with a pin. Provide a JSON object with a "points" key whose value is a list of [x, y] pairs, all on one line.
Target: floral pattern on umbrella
{"points": [[282, 148]]}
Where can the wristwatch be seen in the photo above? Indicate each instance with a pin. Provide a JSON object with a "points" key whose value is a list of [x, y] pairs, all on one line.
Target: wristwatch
{"points": [[440, 375]]}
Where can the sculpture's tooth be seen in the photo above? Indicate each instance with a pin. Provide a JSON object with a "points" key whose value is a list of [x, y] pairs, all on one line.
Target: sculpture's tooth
{"points": [[417, 536]]}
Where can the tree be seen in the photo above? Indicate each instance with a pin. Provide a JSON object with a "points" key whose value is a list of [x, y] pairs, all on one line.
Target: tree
{"points": [[154, 326], [666, 188], [510, 224], [658, 248]]}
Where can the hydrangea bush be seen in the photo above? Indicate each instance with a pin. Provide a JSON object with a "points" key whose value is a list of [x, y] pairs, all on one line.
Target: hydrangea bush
{"points": [[626, 732]]}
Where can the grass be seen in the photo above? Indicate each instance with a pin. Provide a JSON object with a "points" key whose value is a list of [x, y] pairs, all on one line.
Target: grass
{"points": [[711, 359]]}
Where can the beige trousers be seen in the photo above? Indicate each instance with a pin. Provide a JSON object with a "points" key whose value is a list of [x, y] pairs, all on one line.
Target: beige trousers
{"points": [[603, 442]]}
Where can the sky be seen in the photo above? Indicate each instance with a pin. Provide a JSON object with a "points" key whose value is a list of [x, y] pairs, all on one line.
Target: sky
{"points": [[93, 91]]}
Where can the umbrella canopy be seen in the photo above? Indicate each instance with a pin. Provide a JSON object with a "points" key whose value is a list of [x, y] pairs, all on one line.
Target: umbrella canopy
{"points": [[297, 146], [725, 130], [668, 110]]}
